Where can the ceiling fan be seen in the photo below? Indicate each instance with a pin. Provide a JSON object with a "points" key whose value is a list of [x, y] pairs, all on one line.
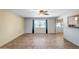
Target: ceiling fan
{"points": [[43, 12]]}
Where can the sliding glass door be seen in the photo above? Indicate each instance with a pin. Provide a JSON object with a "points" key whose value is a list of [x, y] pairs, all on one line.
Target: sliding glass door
{"points": [[40, 26]]}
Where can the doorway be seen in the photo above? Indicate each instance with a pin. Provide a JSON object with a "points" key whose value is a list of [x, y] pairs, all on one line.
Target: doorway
{"points": [[40, 26], [59, 26]]}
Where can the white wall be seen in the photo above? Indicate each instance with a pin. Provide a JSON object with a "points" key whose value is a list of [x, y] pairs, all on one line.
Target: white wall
{"points": [[11, 26], [52, 25], [71, 34], [28, 25]]}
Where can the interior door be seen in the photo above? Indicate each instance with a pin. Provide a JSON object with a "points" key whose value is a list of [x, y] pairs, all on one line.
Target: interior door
{"points": [[40, 26], [59, 26]]}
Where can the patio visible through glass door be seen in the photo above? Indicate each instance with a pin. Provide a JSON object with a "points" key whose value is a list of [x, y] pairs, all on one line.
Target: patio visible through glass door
{"points": [[40, 26]]}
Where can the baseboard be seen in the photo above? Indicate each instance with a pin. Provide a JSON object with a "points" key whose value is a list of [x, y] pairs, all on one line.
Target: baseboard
{"points": [[9, 41], [59, 32], [40, 33], [71, 42]]}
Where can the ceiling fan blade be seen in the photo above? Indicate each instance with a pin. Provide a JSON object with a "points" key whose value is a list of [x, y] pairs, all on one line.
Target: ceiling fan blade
{"points": [[46, 14], [45, 11]]}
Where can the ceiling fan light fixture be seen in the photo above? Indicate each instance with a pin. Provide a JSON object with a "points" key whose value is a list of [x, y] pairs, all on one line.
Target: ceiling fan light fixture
{"points": [[43, 12]]}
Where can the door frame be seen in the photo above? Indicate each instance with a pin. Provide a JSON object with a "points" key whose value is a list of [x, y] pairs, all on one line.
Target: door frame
{"points": [[33, 26], [46, 26]]}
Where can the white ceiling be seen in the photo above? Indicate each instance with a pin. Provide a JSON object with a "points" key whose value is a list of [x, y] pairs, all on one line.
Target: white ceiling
{"points": [[35, 12]]}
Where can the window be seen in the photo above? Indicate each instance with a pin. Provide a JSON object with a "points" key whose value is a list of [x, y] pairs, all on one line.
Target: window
{"points": [[40, 23]]}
